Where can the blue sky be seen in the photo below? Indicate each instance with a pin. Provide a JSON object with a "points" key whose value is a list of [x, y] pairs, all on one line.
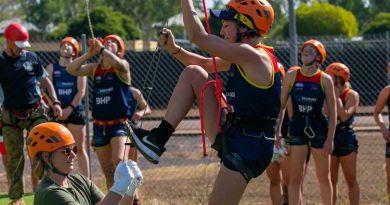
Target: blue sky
{"points": [[209, 3]]}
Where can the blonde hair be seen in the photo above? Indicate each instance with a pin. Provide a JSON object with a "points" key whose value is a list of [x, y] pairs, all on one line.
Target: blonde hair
{"points": [[40, 166]]}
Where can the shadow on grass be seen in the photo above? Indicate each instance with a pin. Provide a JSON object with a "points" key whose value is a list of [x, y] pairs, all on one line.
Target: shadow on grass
{"points": [[5, 195]]}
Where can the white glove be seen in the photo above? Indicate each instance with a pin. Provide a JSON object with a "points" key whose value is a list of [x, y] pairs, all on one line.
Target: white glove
{"points": [[279, 152], [138, 178], [123, 177]]}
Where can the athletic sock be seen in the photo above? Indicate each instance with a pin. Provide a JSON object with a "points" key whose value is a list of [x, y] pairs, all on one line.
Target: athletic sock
{"points": [[164, 132]]}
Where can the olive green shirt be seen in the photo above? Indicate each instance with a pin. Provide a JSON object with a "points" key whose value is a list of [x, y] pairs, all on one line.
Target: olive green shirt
{"points": [[81, 191]]}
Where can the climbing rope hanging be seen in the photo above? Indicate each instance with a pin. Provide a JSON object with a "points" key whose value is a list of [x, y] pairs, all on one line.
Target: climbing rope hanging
{"points": [[218, 93], [151, 71], [89, 18]]}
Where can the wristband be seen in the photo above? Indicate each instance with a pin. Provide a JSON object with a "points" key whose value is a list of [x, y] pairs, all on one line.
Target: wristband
{"points": [[57, 103], [174, 53], [73, 107]]}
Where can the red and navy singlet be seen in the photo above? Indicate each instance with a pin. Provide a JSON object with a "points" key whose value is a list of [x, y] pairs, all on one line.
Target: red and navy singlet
{"points": [[112, 96]]}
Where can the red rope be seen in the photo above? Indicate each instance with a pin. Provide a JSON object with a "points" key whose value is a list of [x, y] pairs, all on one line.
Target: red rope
{"points": [[218, 92]]}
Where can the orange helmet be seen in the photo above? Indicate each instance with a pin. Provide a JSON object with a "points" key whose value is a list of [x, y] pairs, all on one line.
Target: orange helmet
{"points": [[48, 137], [319, 47], [74, 43], [260, 13], [339, 70], [281, 70], [121, 43]]}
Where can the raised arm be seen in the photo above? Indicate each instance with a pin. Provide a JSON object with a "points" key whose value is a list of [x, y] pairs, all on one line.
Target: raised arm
{"points": [[167, 41], [237, 53], [78, 66]]}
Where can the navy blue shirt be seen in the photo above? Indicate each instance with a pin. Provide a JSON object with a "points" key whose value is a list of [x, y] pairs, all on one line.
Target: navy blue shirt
{"points": [[307, 95], [19, 79], [65, 85], [112, 97], [250, 100]]}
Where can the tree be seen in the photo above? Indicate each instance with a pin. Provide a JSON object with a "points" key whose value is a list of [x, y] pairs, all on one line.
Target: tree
{"points": [[324, 19], [357, 7], [45, 14], [104, 22], [9, 9], [380, 24], [146, 12]]}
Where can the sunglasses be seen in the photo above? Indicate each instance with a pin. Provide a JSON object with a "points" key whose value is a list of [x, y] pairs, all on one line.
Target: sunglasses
{"points": [[68, 151]]}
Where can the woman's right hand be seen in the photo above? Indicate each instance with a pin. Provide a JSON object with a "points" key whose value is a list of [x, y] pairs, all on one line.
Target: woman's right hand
{"points": [[385, 133], [95, 46], [278, 143], [167, 41]]}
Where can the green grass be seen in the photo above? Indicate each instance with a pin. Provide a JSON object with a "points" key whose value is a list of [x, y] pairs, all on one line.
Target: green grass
{"points": [[28, 198]]}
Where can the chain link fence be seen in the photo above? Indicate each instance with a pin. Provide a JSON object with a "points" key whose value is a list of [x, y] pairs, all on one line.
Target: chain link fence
{"points": [[185, 177]]}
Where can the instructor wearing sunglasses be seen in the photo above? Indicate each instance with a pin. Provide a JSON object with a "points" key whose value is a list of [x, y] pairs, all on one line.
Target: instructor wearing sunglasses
{"points": [[53, 147]]}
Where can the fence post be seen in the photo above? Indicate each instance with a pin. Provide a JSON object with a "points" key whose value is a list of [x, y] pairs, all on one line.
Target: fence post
{"points": [[292, 34], [86, 100]]}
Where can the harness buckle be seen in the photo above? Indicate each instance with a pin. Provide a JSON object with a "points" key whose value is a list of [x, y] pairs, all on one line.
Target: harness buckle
{"points": [[308, 131]]}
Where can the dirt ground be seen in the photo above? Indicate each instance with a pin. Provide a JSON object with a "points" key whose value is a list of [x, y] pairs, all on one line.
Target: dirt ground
{"points": [[185, 177]]}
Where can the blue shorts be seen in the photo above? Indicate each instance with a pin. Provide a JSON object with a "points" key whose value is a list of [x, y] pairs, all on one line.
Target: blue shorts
{"points": [[341, 150], [388, 150], [255, 149], [102, 135]]}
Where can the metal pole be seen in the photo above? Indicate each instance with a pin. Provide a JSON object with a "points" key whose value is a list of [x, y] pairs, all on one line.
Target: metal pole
{"points": [[86, 100], [292, 34]]}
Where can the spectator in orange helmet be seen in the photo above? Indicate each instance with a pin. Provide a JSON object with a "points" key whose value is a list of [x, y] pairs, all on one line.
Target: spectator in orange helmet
{"points": [[277, 171], [345, 142], [310, 89], [54, 148], [113, 102], [20, 72], [253, 90], [70, 91]]}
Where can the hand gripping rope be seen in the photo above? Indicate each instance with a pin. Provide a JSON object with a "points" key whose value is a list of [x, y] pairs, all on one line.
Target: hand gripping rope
{"points": [[218, 92]]}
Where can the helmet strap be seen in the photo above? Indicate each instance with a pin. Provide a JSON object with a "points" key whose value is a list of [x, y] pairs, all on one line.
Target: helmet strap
{"points": [[54, 169], [238, 33], [311, 63]]}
